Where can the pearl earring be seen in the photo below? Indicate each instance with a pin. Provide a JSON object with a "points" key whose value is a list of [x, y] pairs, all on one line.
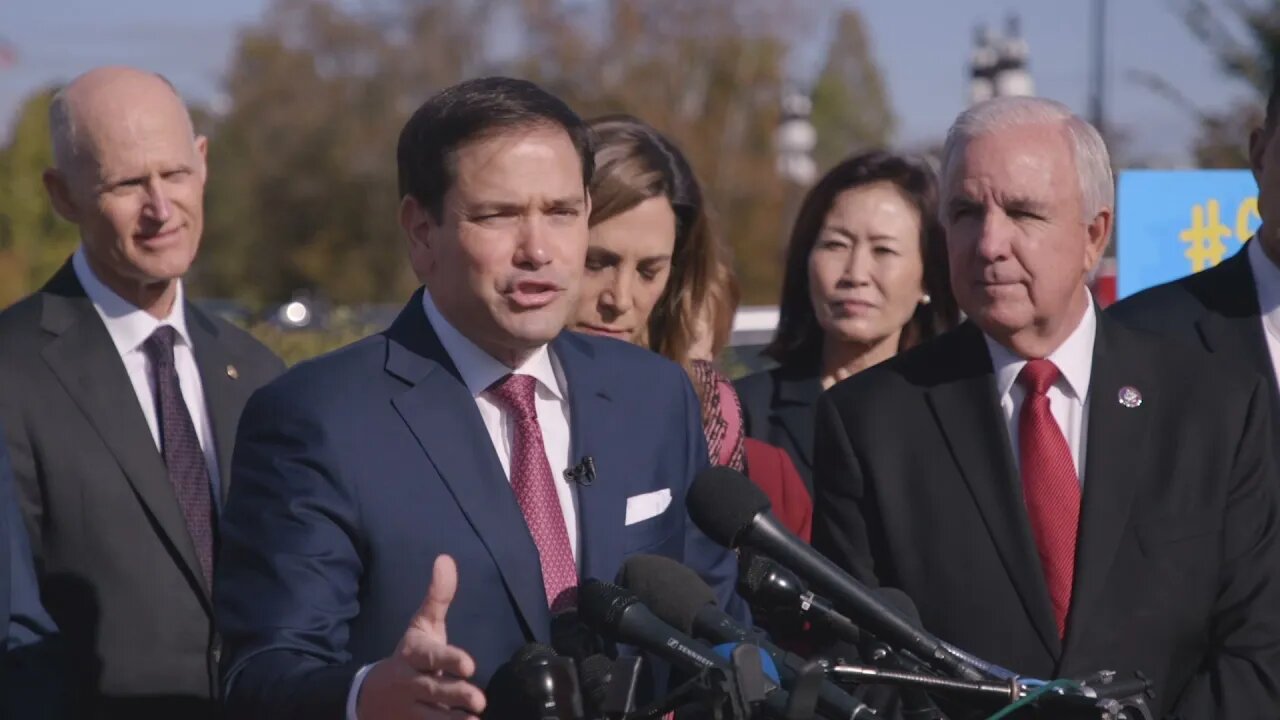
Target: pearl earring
{"points": [[926, 299]]}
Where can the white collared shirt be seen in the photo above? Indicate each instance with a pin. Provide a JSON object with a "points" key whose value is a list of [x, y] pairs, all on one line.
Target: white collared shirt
{"points": [[479, 370], [1069, 395], [1266, 278], [129, 327]]}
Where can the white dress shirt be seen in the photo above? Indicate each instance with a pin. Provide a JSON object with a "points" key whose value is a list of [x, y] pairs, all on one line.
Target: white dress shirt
{"points": [[1069, 395], [129, 327], [1266, 277], [479, 370]]}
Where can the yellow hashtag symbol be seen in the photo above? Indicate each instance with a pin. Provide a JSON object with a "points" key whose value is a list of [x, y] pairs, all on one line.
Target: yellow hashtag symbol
{"points": [[1245, 215], [1204, 238]]}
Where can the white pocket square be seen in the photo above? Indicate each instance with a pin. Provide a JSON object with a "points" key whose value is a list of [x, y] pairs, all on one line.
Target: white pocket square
{"points": [[648, 505]]}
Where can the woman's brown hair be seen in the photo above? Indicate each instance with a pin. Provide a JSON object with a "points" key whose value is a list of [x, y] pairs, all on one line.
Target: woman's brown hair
{"points": [[634, 163]]}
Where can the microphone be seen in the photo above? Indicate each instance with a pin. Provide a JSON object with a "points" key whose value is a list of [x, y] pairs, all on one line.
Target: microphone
{"points": [[773, 587], [535, 683], [584, 473], [609, 686], [732, 511], [678, 596], [571, 638], [616, 613]]}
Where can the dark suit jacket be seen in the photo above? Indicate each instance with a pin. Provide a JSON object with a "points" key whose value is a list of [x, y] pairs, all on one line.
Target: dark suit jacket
{"points": [[30, 669], [353, 471], [118, 570], [1216, 309], [778, 407], [1178, 562]]}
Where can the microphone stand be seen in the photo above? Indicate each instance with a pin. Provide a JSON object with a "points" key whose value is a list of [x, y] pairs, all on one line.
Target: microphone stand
{"points": [[737, 694], [1050, 705]]}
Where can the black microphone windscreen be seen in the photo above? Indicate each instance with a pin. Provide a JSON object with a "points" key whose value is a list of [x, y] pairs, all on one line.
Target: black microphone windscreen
{"points": [[723, 502], [571, 638], [601, 604], [594, 674], [672, 591], [530, 652], [753, 572], [509, 691]]}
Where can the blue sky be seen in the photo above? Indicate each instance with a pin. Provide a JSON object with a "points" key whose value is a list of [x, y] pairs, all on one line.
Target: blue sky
{"points": [[922, 47]]}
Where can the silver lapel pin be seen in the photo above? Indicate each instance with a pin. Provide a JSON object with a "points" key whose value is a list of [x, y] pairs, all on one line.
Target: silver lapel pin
{"points": [[1129, 396]]}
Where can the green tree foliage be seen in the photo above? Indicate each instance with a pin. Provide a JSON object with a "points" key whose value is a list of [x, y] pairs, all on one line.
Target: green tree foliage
{"points": [[709, 74], [850, 102], [302, 191], [1244, 35], [34, 241], [302, 180]]}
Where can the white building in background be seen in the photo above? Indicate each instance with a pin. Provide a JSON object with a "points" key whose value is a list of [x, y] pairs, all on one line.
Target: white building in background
{"points": [[795, 139], [982, 66], [999, 64]]}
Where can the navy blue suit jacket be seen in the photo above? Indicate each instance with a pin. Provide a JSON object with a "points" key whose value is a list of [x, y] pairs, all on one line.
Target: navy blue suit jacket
{"points": [[352, 472], [29, 672]]}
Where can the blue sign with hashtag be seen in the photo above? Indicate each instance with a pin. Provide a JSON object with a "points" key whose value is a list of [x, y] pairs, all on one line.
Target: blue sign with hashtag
{"points": [[1171, 223]]}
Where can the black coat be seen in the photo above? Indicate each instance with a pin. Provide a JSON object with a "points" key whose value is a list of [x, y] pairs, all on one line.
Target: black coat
{"points": [[1216, 309], [778, 407], [1178, 561]]}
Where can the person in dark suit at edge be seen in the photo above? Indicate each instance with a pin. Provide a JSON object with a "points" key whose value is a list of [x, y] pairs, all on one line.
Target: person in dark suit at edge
{"points": [[1057, 493], [30, 660], [1233, 308], [120, 400], [866, 278], [410, 510]]}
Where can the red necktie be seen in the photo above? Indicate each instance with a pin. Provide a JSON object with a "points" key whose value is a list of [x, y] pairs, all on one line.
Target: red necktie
{"points": [[1049, 485], [535, 490]]}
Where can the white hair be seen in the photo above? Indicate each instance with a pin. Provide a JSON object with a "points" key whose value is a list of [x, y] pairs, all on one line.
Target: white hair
{"points": [[62, 132], [1093, 162]]}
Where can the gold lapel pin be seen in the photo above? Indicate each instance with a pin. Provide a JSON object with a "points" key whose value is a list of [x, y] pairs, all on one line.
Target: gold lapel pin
{"points": [[232, 372]]}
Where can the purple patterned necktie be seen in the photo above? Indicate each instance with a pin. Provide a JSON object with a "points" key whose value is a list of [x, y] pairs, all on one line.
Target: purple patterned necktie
{"points": [[181, 448], [535, 490]]}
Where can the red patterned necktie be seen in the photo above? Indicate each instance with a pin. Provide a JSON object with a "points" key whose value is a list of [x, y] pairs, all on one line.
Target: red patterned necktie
{"points": [[535, 490], [180, 447], [1050, 486]]}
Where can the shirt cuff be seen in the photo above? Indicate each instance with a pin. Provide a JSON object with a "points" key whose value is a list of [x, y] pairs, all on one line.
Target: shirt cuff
{"points": [[353, 695]]}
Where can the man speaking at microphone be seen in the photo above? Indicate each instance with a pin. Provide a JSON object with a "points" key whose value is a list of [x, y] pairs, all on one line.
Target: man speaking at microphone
{"points": [[1056, 493], [464, 468]]}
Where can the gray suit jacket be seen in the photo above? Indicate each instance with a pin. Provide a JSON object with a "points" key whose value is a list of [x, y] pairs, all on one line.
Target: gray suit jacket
{"points": [[118, 570]]}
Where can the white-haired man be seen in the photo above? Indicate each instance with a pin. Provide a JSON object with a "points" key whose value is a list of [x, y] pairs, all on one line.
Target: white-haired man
{"points": [[1059, 494]]}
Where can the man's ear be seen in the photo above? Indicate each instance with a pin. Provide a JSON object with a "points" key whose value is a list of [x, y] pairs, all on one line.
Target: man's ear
{"points": [[418, 227], [202, 149], [55, 184], [1258, 140], [1099, 230]]}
